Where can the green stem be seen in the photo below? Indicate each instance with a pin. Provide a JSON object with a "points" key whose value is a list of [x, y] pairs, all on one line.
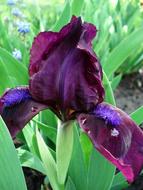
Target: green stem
{"points": [[64, 147]]}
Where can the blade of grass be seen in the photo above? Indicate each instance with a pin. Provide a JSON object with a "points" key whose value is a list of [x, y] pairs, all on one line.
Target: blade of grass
{"points": [[4, 36], [119, 182], [4, 77], [14, 68], [137, 115], [11, 175], [122, 51], [28, 133], [64, 17], [48, 162], [77, 7], [96, 179], [28, 159], [50, 132], [115, 82], [109, 96], [70, 185]]}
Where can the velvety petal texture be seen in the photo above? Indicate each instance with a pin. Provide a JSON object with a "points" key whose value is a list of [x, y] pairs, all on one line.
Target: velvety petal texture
{"points": [[64, 71], [17, 107], [116, 137]]}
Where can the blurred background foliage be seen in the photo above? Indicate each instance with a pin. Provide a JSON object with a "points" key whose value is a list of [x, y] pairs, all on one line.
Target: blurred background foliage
{"points": [[119, 41]]}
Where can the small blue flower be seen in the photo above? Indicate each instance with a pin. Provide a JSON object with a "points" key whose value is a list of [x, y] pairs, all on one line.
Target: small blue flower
{"points": [[16, 12], [10, 2], [17, 54], [23, 27]]}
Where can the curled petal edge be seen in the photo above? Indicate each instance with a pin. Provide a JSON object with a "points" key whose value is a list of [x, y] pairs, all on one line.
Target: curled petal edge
{"points": [[118, 139], [17, 108]]}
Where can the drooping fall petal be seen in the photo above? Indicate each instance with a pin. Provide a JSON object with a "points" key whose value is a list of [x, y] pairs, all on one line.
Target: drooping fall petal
{"points": [[17, 107], [64, 70], [115, 136]]}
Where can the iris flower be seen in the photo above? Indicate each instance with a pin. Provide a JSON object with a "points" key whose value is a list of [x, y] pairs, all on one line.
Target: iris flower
{"points": [[66, 77]]}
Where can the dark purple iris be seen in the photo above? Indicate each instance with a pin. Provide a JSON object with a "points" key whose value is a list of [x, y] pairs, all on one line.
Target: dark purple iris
{"points": [[65, 73], [66, 77]]}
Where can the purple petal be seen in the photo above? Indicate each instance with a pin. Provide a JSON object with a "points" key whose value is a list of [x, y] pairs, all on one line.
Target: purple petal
{"points": [[17, 107], [46, 42], [116, 136], [65, 72]]}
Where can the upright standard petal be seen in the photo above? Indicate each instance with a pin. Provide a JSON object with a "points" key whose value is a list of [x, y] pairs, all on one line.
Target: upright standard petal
{"points": [[116, 136], [17, 107], [64, 71]]}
